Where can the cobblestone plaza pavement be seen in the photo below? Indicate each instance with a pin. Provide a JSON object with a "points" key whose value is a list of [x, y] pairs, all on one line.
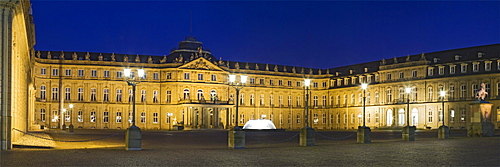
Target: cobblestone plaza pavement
{"points": [[279, 148]]}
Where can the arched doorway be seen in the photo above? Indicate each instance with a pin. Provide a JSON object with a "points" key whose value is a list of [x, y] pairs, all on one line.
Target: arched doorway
{"points": [[414, 117], [389, 117], [401, 117]]}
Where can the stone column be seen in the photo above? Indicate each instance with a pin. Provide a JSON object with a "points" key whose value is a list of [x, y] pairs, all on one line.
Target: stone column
{"points": [[7, 10]]}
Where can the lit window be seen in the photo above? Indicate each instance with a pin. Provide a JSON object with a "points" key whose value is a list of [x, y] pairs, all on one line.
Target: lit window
{"points": [[155, 117], [92, 116], [118, 117], [80, 116], [105, 117]]}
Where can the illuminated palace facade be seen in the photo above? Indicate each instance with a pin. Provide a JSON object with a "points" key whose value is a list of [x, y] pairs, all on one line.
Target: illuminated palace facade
{"points": [[189, 88]]}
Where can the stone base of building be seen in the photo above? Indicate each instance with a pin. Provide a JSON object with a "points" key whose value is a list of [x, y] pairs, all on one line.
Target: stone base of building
{"points": [[236, 139], [307, 137], [408, 133], [480, 129], [364, 134]]}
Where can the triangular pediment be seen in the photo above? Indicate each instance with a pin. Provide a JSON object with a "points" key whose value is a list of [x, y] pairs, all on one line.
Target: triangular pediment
{"points": [[201, 64]]}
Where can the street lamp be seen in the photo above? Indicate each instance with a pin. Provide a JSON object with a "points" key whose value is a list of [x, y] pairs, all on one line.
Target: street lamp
{"points": [[307, 133], [364, 133], [364, 86], [237, 86], [307, 83], [443, 131], [236, 136], [408, 91], [408, 131], [71, 127], [133, 136], [63, 119]]}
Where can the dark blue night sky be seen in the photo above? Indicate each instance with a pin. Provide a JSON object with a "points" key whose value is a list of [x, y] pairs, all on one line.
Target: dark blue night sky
{"points": [[320, 34]]}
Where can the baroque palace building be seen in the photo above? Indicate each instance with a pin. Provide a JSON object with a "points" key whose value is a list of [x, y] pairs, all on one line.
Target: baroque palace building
{"points": [[189, 89]]}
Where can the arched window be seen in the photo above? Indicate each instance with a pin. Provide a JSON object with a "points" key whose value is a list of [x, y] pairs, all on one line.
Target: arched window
{"points": [[200, 94], [43, 92], [186, 94], [213, 95]]}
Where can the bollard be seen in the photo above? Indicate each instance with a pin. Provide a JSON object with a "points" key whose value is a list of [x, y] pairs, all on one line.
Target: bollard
{"points": [[307, 137], [133, 138], [236, 139]]}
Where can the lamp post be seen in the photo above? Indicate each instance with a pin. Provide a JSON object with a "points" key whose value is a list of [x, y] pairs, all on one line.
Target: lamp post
{"points": [[443, 131], [408, 131], [237, 86], [71, 127], [307, 133], [236, 136], [307, 83], [133, 137], [63, 119], [364, 133]]}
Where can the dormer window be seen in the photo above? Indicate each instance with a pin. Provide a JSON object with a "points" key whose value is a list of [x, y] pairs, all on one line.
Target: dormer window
{"points": [[475, 66], [463, 68], [389, 76], [366, 69], [351, 71], [452, 69], [480, 54], [430, 71], [339, 82], [457, 57], [441, 70], [346, 81], [487, 66], [436, 60], [401, 75]]}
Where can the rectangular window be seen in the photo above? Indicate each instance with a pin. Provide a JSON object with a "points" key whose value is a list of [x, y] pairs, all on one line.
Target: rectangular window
{"points": [[487, 65], [414, 73], [55, 93], [105, 118], [80, 116], [106, 74], [55, 116], [92, 116], [119, 74], [430, 71], [186, 75], [67, 94], [68, 72], [463, 90], [143, 117], [324, 84], [55, 72], [118, 117], [401, 75], [155, 117], [155, 76], [80, 73], [315, 85], [155, 96], [261, 81], [389, 77], [463, 68], [200, 77], [143, 96], [43, 71], [118, 95], [93, 73], [280, 82], [452, 69], [169, 75], [169, 96], [441, 70], [298, 84], [93, 94], [475, 66], [214, 77], [271, 82], [42, 115], [430, 116], [106, 95], [298, 119], [252, 81]]}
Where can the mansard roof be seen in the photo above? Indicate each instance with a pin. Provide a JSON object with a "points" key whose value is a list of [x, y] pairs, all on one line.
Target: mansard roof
{"points": [[475, 53]]}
